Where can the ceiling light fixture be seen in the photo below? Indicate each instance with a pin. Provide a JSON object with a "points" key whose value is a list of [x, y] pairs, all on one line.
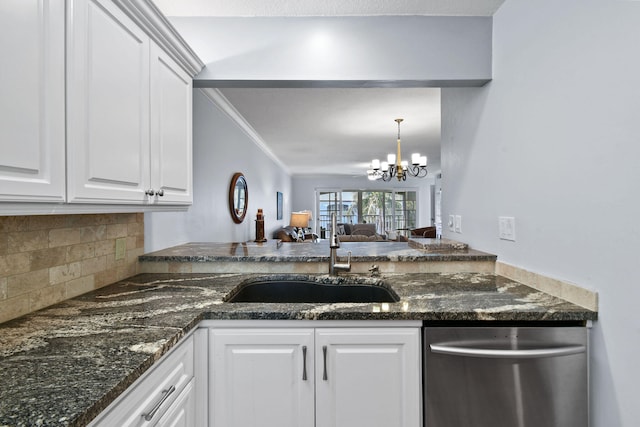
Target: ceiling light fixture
{"points": [[395, 166]]}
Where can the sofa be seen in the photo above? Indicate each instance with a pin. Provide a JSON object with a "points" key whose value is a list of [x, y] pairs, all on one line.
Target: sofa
{"points": [[358, 233], [429, 232], [288, 234]]}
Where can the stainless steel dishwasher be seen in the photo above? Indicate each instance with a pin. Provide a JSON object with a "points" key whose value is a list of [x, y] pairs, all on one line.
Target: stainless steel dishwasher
{"points": [[506, 377]]}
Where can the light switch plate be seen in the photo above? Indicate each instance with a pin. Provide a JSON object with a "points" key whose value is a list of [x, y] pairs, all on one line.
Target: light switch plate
{"points": [[121, 248], [451, 223], [458, 224], [507, 228]]}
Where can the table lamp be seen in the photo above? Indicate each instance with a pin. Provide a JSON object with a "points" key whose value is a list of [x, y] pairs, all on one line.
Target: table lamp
{"points": [[299, 221]]}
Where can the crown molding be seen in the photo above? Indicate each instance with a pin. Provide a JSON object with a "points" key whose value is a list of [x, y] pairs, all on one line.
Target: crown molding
{"points": [[157, 26], [220, 101]]}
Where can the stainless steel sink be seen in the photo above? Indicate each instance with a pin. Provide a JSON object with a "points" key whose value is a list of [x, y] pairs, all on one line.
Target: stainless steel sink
{"points": [[310, 289]]}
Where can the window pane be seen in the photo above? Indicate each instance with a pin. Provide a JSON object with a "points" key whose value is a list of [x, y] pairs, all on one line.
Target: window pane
{"points": [[349, 207], [389, 210], [373, 209], [328, 203]]}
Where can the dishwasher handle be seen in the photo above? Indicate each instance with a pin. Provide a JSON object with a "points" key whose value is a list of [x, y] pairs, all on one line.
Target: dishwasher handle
{"points": [[505, 354]]}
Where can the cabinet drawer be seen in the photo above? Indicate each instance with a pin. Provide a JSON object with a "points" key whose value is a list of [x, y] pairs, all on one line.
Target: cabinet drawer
{"points": [[157, 389]]}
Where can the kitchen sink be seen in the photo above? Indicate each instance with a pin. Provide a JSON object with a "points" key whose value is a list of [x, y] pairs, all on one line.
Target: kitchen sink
{"points": [[324, 289]]}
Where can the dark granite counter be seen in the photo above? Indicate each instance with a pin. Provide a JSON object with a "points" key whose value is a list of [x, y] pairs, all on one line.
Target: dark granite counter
{"points": [[419, 249], [63, 365]]}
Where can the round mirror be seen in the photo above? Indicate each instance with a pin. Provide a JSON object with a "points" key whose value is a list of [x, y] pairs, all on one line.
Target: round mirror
{"points": [[238, 197]]}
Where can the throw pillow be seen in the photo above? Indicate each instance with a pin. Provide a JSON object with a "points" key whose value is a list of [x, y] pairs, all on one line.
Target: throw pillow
{"points": [[364, 229]]}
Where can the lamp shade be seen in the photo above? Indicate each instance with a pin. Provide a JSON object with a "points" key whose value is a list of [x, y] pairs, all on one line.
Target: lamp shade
{"points": [[299, 219]]}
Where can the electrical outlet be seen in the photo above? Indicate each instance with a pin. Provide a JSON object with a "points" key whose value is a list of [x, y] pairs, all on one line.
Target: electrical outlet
{"points": [[121, 248], [451, 223], [507, 228], [458, 224]]}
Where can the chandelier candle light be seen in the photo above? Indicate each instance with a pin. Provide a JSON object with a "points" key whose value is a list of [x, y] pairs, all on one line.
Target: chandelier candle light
{"points": [[395, 166]]}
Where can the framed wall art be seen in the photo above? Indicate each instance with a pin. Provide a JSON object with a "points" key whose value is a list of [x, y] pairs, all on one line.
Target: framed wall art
{"points": [[278, 205]]}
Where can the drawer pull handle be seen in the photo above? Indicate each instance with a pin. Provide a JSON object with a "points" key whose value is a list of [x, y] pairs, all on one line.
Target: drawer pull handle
{"points": [[324, 362], [167, 393], [304, 363], [160, 193], [150, 192]]}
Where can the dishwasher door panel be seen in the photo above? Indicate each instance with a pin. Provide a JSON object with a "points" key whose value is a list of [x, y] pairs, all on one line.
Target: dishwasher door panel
{"points": [[506, 377]]}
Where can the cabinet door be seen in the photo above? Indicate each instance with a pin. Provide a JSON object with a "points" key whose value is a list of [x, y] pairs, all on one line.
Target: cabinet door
{"points": [[171, 134], [373, 377], [107, 105], [257, 378], [32, 134]]}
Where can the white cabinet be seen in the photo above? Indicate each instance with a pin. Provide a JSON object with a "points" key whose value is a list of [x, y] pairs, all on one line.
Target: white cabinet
{"points": [[261, 377], [368, 377], [32, 101], [171, 130], [354, 377], [128, 113], [164, 396], [107, 104]]}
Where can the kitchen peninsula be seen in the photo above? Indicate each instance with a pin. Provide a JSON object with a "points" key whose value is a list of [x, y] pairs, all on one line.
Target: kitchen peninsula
{"points": [[65, 364], [419, 255]]}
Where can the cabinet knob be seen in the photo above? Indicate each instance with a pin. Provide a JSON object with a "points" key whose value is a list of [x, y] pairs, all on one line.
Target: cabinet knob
{"points": [[160, 193], [150, 192]]}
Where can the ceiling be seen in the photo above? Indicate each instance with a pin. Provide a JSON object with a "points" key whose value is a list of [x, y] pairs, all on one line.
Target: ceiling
{"points": [[316, 131], [327, 7]]}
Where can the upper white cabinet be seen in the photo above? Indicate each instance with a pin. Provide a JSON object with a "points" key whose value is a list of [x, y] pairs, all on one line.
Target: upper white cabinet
{"points": [[107, 105], [171, 130], [96, 107], [129, 112], [32, 101]]}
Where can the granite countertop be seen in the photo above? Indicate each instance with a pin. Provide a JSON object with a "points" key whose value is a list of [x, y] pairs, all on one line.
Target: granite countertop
{"points": [[416, 249], [63, 365]]}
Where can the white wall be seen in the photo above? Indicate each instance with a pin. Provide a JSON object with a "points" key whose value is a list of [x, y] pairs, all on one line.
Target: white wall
{"points": [[312, 49], [554, 140], [221, 148], [304, 190]]}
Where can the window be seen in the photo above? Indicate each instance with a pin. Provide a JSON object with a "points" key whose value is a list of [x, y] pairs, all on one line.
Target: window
{"points": [[389, 210]]}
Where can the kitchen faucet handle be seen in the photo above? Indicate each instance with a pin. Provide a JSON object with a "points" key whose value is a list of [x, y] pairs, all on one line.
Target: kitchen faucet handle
{"points": [[374, 270]]}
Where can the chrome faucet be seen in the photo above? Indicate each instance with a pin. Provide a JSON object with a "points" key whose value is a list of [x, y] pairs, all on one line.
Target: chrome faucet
{"points": [[334, 244]]}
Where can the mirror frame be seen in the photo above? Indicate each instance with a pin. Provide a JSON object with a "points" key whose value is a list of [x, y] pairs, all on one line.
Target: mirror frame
{"points": [[238, 179]]}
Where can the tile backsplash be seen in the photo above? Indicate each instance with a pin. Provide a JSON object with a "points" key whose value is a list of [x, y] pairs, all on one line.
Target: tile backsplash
{"points": [[50, 258]]}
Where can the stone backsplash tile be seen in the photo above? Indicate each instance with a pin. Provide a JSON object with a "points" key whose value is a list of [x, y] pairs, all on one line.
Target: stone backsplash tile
{"points": [[50, 257], [46, 259], [3, 288], [26, 241]]}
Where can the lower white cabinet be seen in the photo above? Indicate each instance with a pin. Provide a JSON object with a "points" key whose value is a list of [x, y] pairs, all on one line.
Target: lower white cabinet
{"points": [[368, 377], [324, 377], [164, 396], [261, 377]]}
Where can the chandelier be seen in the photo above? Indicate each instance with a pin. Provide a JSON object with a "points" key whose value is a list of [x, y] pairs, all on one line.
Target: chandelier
{"points": [[395, 166]]}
